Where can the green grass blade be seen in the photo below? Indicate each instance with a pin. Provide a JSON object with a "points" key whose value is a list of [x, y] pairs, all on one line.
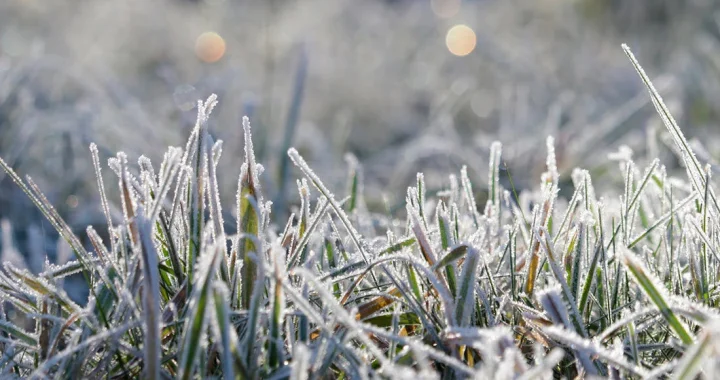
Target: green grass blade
{"points": [[692, 165], [195, 322], [466, 290], [652, 288], [692, 360], [278, 304], [589, 277], [354, 176], [557, 272], [455, 254], [249, 217], [221, 297], [30, 339]]}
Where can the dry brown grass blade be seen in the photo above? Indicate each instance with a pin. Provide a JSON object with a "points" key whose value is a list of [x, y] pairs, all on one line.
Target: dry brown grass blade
{"points": [[369, 308], [45, 327], [535, 254], [377, 304], [129, 211]]}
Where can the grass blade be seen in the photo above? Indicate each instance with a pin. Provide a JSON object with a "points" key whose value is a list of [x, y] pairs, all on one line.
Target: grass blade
{"points": [[151, 302], [196, 319], [249, 217], [466, 291], [656, 292], [692, 165], [221, 296]]}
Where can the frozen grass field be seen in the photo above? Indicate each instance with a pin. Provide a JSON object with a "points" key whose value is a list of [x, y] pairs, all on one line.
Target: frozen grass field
{"points": [[345, 202], [528, 285]]}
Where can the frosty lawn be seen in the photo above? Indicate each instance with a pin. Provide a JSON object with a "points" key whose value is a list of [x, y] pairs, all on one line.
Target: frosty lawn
{"points": [[529, 286]]}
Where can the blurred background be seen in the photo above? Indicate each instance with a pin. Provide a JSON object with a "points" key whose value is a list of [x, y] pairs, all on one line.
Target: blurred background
{"points": [[403, 85]]}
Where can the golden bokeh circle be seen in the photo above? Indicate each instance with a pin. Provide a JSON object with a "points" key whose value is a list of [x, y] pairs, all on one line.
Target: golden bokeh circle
{"points": [[460, 40], [210, 47]]}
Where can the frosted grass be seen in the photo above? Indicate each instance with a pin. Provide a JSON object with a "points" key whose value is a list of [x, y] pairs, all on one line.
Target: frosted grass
{"points": [[619, 284]]}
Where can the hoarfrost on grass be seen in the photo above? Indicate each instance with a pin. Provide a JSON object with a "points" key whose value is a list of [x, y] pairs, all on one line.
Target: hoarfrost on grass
{"points": [[528, 285]]}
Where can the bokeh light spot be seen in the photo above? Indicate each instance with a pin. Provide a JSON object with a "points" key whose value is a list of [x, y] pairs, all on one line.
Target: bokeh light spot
{"points": [[72, 201], [460, 40], [185, 97], [210, 47], [445, 8]]}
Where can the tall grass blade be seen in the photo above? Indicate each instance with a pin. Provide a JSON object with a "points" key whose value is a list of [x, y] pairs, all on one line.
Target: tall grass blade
{"points": [[692, 165], [249, 217], [291, 122], [151, 301], [657, 294], [278, 305], [466, 290], [221, 297], [195, 322]]}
